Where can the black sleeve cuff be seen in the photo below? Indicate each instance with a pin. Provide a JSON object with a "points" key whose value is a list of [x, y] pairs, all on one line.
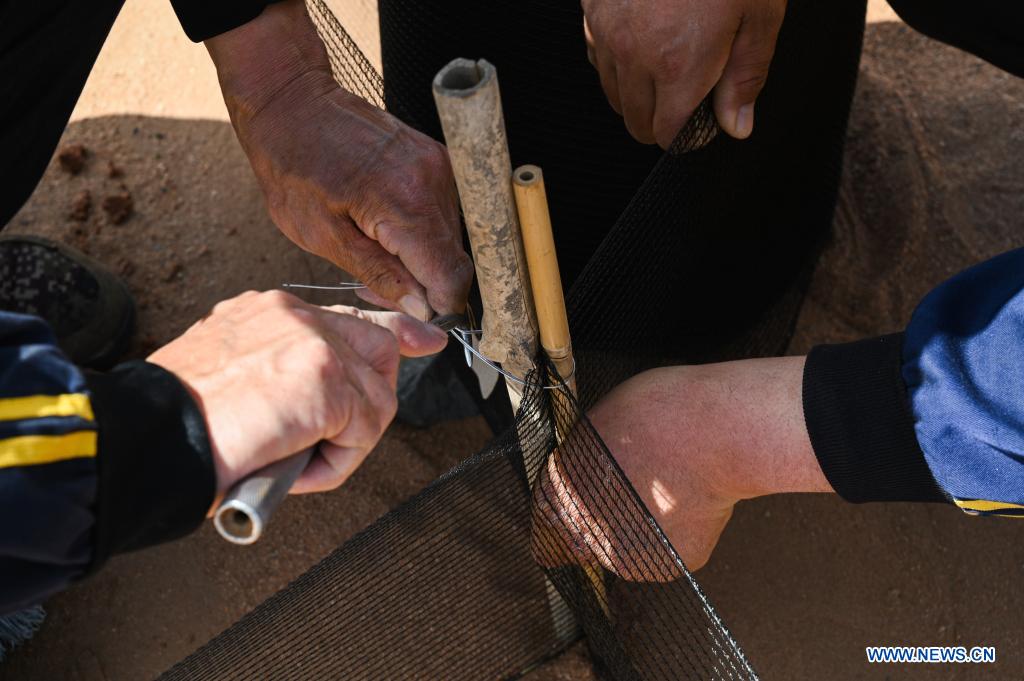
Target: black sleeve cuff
{"points": [[861, 425], [156, 474], [204, 19]]}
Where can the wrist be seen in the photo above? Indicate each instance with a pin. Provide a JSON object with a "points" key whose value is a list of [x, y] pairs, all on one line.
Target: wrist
{"points": [[258, 60]]}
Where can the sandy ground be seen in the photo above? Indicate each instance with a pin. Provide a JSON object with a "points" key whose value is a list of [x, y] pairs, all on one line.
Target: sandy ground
{"points": [[932, 183]]}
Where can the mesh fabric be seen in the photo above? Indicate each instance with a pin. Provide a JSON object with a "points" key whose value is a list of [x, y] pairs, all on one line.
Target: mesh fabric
{"points": [[494, 567]]}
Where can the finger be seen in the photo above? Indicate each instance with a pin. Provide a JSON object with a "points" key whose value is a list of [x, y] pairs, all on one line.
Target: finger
{"points": [[366, 398], [608, 74], [329, 469], [368, 296], [373, 345], [370, 406], [435, 256], [674, 105], [682, 84], [418, 222], [379, 270], [747, 71], [637, 94], [415, 338]]}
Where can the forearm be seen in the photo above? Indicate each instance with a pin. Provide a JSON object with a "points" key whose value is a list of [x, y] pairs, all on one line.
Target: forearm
{"points": [[739, 423], [260, 59], [752, 414]]}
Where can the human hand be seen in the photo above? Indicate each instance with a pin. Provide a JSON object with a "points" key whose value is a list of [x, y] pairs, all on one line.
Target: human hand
{"points": [[341, 178], [658, 59], [692, 441], [274, 375]]}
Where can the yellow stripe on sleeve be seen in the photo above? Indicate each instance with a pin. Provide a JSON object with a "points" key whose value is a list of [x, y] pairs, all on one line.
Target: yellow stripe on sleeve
{"points": [[35, 450], [984, 506], [39, 406]]}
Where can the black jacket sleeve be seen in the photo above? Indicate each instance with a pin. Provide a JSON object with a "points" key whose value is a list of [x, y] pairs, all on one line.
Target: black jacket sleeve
{"points": [[204, 19], [860, 422], [156, 478]]}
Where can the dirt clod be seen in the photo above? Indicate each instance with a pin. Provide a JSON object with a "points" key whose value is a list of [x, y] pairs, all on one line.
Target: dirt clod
{"points": [[81, 206], [72, 158], [119, 207], [114, 171]]}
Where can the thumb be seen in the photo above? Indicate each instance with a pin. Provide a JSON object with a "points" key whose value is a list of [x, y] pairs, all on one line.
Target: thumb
{"points": [[415, 338], [747, 69]]}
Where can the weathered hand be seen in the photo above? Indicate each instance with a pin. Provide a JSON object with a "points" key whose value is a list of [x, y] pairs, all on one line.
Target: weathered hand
{"points": [[658, 59], [342, 178], [693, 441], [274, 375]]}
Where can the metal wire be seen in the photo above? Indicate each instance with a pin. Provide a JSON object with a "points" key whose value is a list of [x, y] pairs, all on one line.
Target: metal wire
{"points": [[458, 335], [343, 286]]}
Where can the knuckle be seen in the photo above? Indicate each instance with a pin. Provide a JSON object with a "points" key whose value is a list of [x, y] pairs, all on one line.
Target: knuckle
{"points": [[386, 350], [668, 65], [348, 311], [224, 306], [455, 283], [378, 276], [621, 42], [278, 299], [231, 303], [387, 408], [319, 355], [436, 159], [751, 77]]}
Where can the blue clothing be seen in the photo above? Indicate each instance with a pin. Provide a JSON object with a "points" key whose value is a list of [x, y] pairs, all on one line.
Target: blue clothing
{"points": [[48, 472], [90, 464], [963, 357]]}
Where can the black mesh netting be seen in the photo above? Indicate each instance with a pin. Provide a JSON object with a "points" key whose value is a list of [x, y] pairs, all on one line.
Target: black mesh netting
{"points": [[539, 539]]}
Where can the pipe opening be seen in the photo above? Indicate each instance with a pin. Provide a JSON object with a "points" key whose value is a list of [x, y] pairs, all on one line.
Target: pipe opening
{"points": [[461, 77]]}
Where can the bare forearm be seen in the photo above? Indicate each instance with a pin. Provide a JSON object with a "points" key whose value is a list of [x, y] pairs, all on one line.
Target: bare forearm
{"points": [[695, 440], [262, 57], [740, 422], [752, 411]]}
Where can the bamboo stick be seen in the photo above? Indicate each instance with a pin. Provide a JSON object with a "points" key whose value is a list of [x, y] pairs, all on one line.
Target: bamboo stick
{"points": [[539, 242], [469, 105], [546, 281]]}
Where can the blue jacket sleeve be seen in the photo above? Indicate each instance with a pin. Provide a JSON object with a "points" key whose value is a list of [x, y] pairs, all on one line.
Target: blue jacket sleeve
{"points": [[90, 464], [47, 465], [935, 413], [963, 364]]}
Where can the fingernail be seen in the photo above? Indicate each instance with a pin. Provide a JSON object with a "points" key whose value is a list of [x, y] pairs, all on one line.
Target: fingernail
{"points": [[440, 333], [414, 306], [744, 121]]}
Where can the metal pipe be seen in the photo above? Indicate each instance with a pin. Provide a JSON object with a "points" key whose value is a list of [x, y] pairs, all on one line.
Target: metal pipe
{"points": [[245, 510]]}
